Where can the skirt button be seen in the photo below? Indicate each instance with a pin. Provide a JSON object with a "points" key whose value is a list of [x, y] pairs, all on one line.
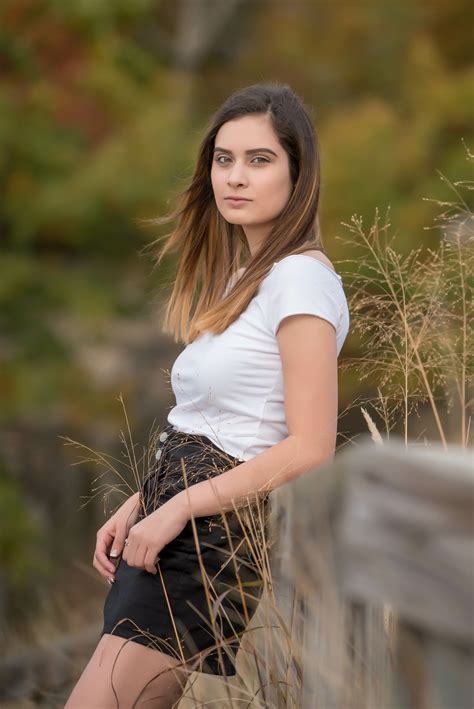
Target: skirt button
{"points": [[158, 453], [163, 436]]}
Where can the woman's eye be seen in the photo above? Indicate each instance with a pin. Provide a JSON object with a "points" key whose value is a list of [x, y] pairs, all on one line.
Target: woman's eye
{"points": [[258, 157]]}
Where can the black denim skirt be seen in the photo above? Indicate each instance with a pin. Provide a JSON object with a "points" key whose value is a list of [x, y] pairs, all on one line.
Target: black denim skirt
{"points": [[197, 607]]}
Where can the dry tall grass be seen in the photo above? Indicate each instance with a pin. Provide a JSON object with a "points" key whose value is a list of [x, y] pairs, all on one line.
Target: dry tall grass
{"points": [[412, 313]]}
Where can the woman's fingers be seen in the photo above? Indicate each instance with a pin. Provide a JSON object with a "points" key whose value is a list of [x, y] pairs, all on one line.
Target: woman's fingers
{"points": [[150, 561], [140, 556], [128, 552], [135, 553], [104, 571], [101, 561], [117, 544], [116, 549]]}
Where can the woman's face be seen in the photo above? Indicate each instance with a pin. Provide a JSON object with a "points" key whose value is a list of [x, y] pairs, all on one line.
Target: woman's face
{"points": [[250, 163]]}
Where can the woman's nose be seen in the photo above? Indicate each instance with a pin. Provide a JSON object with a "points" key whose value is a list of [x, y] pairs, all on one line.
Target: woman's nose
{"points": [[236, 175]]}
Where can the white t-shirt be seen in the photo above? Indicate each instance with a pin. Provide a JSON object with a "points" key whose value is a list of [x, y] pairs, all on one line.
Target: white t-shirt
{"points": [[229, 387]]}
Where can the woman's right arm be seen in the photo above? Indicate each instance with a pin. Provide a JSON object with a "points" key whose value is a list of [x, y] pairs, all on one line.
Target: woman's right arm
{"points": [[111, 536]]}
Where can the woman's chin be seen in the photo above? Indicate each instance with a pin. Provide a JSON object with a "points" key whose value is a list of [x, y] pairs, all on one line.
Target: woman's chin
{"points": [[235, 220]]}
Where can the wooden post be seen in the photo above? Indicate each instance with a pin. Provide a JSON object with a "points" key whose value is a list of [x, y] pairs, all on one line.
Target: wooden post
{"points": [[379, 546]]}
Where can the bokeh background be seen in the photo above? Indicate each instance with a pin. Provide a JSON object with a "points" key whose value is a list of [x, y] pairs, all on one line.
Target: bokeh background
{"points": [[102, 106]]}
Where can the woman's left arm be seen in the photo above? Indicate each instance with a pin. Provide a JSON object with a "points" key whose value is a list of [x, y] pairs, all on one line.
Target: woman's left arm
{"points": [[307, 345]]}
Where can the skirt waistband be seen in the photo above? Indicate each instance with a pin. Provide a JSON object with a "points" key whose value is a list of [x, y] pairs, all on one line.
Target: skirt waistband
{"points": [[170, 437], [171, 449], [179, 460]]}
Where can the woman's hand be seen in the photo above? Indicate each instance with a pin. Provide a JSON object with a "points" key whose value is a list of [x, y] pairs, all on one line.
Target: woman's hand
{"points": [[148, 537], [111, 536]]}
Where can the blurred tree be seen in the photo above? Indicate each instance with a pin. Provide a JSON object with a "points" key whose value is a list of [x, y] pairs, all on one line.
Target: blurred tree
{"points": [[101, 112]]}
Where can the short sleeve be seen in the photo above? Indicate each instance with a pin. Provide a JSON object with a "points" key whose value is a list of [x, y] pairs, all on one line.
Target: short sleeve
{"points": [[303, 285]]}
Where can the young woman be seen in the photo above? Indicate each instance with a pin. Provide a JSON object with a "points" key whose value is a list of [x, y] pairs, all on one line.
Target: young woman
{"points": [[264, 316]]}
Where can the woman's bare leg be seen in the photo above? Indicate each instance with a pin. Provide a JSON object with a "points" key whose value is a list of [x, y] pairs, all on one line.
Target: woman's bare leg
{"points": [[141, 677]]}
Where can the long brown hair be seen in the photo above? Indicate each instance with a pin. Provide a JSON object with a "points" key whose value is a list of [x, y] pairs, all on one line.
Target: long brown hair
{"points": [[211, 249]]}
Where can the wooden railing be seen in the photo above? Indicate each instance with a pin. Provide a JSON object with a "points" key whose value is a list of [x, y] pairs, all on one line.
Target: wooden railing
{"points": [[371, 601], [376, 552]]}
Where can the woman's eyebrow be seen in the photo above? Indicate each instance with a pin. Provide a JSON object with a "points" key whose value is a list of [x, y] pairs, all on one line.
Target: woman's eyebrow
{"points": [[248, 152]]}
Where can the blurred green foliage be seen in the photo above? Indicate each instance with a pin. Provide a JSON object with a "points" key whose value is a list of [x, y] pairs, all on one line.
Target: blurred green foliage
{"points": [[101, 109], [99, 125], [24, 561]]}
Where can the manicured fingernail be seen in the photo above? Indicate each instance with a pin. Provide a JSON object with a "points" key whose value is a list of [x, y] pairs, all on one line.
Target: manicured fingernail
{"points": [[114, 552], [110, 581]]}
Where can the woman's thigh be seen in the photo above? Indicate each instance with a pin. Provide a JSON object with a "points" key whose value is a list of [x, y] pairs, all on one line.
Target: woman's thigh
{"points": [[125, 674]]}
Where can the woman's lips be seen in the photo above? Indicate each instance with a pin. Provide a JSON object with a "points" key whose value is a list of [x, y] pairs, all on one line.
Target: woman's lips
{"points": [[236, 201]]}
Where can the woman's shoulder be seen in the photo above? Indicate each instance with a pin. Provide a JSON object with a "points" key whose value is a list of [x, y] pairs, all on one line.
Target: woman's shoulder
{"points": [[318, 256], [306, 262]]}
